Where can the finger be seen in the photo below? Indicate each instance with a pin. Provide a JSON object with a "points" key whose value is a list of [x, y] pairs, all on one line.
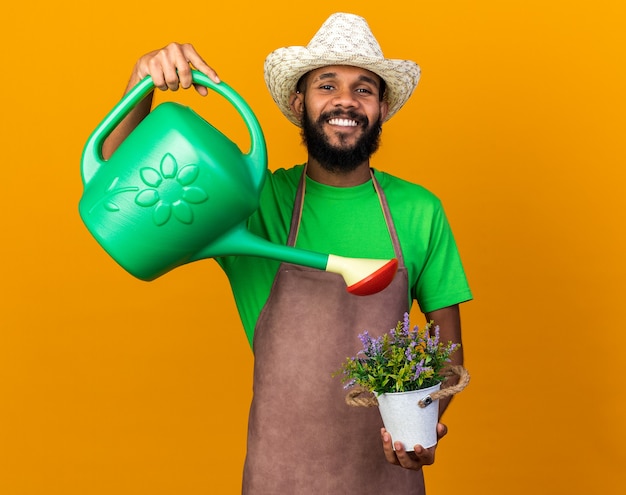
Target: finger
{"points": [[175, 66], [194, 58], [425, 457], [442, 431], [148, 66], [407, 460], [202, 90], [199, 64], [157, 78], [183, 71], [414, 460], [162, 70], [390, 454], [169, 68]]}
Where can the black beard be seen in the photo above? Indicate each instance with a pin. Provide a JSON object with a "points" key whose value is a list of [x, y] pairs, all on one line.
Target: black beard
{"points": [[336, 159]]}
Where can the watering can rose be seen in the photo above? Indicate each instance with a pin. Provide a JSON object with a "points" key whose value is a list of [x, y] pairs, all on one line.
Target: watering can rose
{"points": [[402, 360]]}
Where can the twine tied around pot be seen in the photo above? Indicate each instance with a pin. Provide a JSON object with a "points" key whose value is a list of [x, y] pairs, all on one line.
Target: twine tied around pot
{"points": [[361, 397]]}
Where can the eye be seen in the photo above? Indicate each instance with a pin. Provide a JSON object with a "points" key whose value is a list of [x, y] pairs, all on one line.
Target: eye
{"points": [[326, 87], [364, 91]]}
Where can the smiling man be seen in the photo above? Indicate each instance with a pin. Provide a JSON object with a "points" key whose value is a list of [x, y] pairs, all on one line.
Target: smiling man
{"points": [[341, 109], [301, 322]]}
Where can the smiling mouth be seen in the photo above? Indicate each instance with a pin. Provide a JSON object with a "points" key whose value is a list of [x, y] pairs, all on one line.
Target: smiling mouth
{"points": [[343, 122]]}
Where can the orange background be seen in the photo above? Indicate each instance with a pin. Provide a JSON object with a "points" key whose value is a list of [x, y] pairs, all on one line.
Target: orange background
{"points": [[112, 385]]}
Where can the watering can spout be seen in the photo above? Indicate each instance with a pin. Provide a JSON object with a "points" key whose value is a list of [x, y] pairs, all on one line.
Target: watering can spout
{"points": [[362, 276]]}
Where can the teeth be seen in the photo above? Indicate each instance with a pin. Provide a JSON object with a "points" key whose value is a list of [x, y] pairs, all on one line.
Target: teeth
{"points": [[343, 122]]}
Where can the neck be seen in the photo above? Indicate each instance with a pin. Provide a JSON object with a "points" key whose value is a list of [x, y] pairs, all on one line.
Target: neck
{"points": [[355, 177]]}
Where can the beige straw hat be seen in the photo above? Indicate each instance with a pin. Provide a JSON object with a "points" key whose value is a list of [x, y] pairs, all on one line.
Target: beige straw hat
{"points": [[344, 39]]}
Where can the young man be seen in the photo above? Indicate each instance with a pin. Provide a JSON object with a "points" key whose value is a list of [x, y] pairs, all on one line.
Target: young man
{"points": [[302, 437]]}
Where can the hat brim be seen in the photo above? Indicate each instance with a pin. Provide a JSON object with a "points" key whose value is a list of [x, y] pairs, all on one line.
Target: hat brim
{"points": [[284, 68]]}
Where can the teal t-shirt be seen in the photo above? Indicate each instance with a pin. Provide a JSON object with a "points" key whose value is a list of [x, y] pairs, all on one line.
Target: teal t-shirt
{"points": [[350, 222]]}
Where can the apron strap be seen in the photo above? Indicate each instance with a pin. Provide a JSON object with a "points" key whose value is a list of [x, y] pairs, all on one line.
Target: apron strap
{"points": [[397, 249], [298, 206]]}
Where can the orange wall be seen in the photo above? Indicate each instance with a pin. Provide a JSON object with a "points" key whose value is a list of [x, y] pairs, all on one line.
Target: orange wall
{"points": [[112, 385]]}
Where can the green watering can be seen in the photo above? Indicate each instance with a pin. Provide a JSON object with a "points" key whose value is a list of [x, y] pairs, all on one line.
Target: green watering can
{"points": [[177, 190]]}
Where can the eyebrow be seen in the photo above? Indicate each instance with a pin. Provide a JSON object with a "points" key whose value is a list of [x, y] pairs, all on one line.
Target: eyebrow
{"points": [[362, 77]]}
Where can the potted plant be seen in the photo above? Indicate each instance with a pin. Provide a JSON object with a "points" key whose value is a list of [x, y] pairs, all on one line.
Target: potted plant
{"points": [[404, 369]]}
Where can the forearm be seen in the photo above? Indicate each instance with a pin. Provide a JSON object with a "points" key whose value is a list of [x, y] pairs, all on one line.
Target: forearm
{"points": [[449, 322], [128, 124]]}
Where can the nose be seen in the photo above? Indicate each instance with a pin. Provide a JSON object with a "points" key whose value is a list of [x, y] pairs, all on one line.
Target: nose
{"points": [[344, 98]]}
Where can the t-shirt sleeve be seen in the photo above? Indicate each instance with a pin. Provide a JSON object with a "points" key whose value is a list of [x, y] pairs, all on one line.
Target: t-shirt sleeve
{"points": [[442, 281]]}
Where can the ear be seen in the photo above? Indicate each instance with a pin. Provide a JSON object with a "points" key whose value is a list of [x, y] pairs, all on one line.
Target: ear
{"points": [[384, 110], [296, 103]]}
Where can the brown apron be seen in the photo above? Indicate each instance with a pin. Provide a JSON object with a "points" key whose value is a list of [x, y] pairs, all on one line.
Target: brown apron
{"points": [[302, 437]]}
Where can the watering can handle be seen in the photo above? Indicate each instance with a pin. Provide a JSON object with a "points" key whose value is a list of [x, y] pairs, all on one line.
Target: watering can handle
{"points": [[257, 156]]}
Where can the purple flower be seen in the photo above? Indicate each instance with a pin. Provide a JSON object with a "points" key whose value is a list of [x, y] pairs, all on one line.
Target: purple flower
{"points": [[452, 347], [409, 351], [406, 325], [382, 362], [377, 346], [433, 342], [350, 384], [371, 347], [419, 368], [365, 339]]}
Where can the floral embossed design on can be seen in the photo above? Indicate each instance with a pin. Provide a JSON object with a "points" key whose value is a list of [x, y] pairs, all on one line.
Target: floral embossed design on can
{"points": [[171, 191]]}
